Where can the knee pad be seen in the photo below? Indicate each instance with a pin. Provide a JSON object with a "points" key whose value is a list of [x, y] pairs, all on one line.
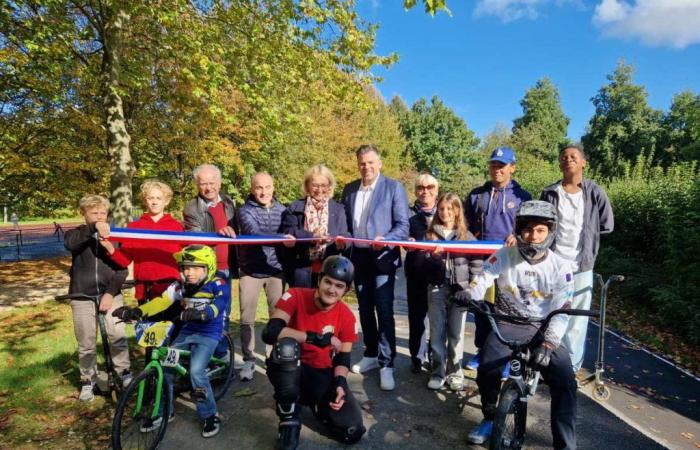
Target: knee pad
{"points": [[349, 435], [286, 354]]}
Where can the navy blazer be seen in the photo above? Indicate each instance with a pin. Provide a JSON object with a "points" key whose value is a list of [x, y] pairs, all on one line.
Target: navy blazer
{"points": [[293, 223], [388, 213]]}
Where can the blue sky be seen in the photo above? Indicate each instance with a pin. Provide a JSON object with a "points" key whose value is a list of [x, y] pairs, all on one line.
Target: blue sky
{"points": [[481, 60]]}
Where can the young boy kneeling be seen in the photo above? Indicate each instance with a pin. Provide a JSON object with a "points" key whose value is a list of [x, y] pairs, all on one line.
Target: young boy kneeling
{"points": [[203, 298]]}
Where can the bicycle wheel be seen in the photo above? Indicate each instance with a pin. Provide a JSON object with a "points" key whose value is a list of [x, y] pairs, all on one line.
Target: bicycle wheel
{"points": [[134, 427], [509, 422], [221, 373]]}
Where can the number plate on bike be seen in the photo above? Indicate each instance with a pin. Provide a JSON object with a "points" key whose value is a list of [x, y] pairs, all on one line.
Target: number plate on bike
{"points": [[152, 334], [171, 358]]}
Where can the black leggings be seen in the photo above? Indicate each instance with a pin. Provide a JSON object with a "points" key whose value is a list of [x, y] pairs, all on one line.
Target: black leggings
{"points": [[315, 388]]}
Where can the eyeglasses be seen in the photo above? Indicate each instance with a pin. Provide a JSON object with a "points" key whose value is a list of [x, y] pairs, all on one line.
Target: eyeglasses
{"points": [[319, 186], [430, 187]]}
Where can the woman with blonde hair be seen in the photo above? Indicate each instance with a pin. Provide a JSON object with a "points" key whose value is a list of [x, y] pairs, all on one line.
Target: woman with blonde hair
{"points": [[315, 215], [446, 274], [154, 266]]}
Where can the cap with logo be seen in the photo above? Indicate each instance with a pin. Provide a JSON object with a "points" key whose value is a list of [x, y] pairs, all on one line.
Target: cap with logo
{"points": [[505, 155]]}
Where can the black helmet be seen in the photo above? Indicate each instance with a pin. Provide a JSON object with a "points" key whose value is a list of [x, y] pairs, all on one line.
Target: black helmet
{"points": [[540, 212], [339, 268]]}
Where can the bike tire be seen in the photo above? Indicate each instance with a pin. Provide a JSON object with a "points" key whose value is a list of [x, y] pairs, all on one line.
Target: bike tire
{"points": [[127, 423], [509, 422], [220, 377]]}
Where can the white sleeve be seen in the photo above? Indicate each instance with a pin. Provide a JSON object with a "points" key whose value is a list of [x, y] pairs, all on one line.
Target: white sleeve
{"points": [[562, 298], [493, 266]]}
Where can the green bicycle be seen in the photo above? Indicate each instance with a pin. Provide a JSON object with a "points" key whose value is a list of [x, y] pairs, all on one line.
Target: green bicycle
{"points": [[138, 421]]}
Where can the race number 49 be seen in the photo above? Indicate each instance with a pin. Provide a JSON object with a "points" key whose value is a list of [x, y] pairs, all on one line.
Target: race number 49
{"points": [[171, 358]]}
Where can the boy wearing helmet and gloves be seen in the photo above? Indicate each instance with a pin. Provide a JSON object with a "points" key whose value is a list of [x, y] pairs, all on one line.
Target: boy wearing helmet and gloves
{"points": [[203, 299], [532, 281], [312, 331]]}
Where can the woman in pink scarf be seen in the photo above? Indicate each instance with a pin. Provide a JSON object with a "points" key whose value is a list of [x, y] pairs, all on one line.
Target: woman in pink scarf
{"points": [[316, 215]]}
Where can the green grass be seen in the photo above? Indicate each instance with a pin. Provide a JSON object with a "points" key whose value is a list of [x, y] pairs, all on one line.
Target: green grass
{"points": [[39, 380]]}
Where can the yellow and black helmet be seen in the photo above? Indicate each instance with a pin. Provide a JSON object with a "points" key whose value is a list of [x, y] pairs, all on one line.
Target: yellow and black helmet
{"points": [[198, 255]]}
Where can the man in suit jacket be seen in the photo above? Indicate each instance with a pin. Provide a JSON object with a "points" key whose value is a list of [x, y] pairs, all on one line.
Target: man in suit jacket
{"points": [[377, 209]]}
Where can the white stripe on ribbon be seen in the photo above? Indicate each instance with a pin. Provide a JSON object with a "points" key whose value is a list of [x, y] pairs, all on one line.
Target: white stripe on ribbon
{"points": [[191, 237]]}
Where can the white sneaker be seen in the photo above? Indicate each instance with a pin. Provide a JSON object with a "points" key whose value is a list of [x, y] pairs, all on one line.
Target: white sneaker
{"points": [[86, 392], [435, 383], [386, 378], [455, 383], [365, 364], [247, 371]]}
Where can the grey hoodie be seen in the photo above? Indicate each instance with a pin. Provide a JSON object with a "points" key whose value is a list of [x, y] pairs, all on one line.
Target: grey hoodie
{"points": [[597, 219]]}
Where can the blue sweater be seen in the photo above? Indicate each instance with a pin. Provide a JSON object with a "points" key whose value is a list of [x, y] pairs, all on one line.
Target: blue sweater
{"points": [[491, 215]]}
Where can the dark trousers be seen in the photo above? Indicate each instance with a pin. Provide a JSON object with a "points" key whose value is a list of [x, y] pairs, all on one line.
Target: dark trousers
{"points": [[304, 277], [375, 295], [558, 375], [417, 298], [314, 388]]}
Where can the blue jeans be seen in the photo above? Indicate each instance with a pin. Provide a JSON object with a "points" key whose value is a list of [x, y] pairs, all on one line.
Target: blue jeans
{"points": [[375, 293], [222, 346], [202, 349]]}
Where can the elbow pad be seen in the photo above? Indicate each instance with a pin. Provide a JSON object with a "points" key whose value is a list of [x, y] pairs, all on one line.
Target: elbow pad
{"points": [[341, 359], [272, 330]]}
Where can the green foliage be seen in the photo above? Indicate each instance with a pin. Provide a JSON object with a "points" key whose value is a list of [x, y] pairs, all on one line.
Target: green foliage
{"points": [[681, 129], [542, 128], [431, 6], [623, 126], [656, 241], [439, 141]]}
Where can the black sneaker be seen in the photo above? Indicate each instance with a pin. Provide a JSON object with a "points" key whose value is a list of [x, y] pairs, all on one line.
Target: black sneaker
{"points": [[288, 435], [210, 426]]}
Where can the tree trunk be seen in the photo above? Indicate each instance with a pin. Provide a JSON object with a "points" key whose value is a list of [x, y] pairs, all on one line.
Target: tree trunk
{"points": [[118, 139]]}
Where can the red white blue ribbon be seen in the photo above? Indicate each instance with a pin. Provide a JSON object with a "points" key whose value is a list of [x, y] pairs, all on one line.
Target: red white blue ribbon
{"points": [[455, 247]]}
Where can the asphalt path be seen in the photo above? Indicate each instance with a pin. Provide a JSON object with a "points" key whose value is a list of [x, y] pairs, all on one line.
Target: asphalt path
{"points": [[410, 417]]}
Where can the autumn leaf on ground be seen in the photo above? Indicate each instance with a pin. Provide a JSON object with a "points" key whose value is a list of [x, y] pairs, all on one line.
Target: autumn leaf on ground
{"points": [[688, 435]]}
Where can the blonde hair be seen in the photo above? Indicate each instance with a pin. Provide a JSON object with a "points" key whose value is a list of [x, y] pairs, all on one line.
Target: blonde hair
{"points": [[148, 186], [460, 221], [318, 169], [92, 201], [426, 178]]}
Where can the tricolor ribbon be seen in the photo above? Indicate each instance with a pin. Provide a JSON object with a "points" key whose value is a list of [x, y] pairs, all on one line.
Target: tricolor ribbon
{"points": [[136, 235]]}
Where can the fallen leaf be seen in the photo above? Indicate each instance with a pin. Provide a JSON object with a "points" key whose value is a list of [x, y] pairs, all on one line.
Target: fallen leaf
{"points": [[246, 392], [633, 406], [688, 435]]}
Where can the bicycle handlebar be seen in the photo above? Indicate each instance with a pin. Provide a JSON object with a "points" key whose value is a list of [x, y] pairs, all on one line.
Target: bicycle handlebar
{"points": [[480, 308]]}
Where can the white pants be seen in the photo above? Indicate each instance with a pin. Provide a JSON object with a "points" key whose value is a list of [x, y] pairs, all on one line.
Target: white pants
{"points": [[575, 337]]}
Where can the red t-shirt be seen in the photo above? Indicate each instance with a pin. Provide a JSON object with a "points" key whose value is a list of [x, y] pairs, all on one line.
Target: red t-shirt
{"points": [[152, 261], [305, 316], [218, 213]]}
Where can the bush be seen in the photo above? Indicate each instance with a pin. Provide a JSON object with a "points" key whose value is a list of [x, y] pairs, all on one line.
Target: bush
{"points": [[656, 241]]}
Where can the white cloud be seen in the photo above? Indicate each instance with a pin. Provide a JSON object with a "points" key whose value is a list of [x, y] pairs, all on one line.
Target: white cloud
{"points": [[674, 23], [511, 10]]}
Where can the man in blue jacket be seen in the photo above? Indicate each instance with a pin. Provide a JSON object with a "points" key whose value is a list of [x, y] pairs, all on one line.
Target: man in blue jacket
{"points": [[259, 265], [377, 209], [490, 211]]}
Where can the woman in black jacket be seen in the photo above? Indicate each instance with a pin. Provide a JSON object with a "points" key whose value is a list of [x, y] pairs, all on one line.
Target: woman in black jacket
{"points": [[316, 215]]}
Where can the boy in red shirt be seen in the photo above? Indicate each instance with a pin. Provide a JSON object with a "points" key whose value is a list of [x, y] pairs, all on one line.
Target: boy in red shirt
{"points": [[312, 332]]}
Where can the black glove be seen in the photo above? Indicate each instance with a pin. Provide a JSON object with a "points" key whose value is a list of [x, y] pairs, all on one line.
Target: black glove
{"points": [[127, 314], [319, 340], [462, 298], [541, 355], [342, 382], [193, 315]]}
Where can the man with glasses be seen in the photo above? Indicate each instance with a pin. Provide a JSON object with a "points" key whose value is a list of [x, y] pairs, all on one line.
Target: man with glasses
{"points": [[214, 212], [490, 211], [421, 214]]}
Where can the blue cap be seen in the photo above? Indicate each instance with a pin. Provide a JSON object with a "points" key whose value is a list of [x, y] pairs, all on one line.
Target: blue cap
{"points": [[505, 155]]}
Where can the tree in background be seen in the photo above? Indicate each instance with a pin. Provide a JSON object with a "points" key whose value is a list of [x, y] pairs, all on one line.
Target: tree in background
{"points": [[438, 141], [541, 130], [623, 126], [681, 129]]}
